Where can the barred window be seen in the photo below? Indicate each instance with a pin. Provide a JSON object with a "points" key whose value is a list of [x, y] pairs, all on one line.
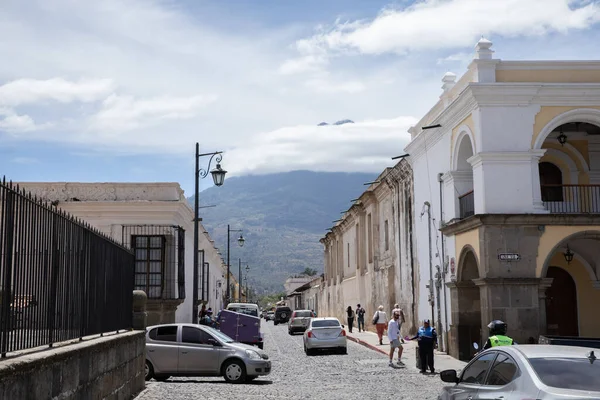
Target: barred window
{"points": [[149, 264]]}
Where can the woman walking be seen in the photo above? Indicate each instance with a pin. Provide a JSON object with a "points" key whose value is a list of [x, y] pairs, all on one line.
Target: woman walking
{"points": [[350, 313], [380, 321]]}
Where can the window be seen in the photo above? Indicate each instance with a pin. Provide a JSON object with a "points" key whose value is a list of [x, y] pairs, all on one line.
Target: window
{"points": [[149, 264], [370, 237], [503, 372], [325, 323], [568, 373], [551, 182], [164, 333], [475, 373], [387, 236], [302, 314], [195, 335], [348, 247]]}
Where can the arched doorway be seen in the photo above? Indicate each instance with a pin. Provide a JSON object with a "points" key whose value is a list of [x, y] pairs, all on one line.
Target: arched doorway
{"points": [[561, 304], [469, 306], [551, 182]]}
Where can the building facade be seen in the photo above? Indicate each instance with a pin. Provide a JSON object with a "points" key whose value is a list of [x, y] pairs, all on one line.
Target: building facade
{"points": [[370, 253], [156, 222], [507, 177]]}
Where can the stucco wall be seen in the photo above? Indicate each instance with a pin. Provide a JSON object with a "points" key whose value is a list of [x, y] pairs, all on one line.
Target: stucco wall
{"points": [[110, 367]]}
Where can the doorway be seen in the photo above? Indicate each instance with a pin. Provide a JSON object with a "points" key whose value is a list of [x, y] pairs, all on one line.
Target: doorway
{"points": [[469, 308], [561, 304]]}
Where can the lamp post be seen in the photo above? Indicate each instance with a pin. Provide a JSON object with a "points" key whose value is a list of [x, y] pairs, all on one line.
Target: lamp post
{"points": [[240, 241], [246, 279], [218, 175]]}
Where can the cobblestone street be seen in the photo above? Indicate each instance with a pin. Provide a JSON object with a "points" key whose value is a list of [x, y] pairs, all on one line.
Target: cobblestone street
{"points": [[362, 374]]}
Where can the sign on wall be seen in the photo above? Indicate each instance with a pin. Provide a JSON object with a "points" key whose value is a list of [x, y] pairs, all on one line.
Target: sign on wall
{"points": [[509, 257]]}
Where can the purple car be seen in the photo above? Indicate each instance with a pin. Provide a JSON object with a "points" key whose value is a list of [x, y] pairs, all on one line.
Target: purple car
{"points": [[239, 323]]}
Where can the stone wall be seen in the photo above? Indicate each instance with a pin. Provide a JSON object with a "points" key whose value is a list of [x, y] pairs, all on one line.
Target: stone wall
{"points": [[110, 367]]}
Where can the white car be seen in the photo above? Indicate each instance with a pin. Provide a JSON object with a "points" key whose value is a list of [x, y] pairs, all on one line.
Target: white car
{"points": [[325, 333], [540, 372]]}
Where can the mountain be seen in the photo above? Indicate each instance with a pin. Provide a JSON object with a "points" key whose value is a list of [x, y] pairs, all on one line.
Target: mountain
{"points": [[341, 122], [282, 216]]}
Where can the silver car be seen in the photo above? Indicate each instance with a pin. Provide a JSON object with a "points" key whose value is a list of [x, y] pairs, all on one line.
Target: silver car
{"points": [[527, 372], [325, 333], [198, 350], [299, 321]]}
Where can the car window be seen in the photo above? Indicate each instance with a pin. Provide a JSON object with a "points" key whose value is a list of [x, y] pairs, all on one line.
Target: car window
{"points": [[194, 335], [302, 314], [164, 333], [325, 323], [503, 372], [476, 371], [568, 373]]}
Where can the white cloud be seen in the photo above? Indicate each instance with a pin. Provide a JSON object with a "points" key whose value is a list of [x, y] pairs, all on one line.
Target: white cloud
{"points": [[28, 91], [443, 24], [12, 122], [321, 85], [455, 58], [122, 113], [362, 146], [308, 63]]}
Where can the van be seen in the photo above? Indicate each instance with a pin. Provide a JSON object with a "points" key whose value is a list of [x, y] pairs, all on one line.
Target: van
{"points": [[244, 308], [240, 321]]}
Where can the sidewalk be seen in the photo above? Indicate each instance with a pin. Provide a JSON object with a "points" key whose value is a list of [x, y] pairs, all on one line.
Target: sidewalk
{"points": [[368, 339]]}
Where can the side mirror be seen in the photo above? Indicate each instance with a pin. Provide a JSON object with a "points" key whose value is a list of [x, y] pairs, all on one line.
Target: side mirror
{"points": [[214, 342], [475, 346], [343, 326], [449, 376]]}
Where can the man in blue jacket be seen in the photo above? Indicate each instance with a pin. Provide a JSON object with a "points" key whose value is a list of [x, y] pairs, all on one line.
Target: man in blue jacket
{"points": [[427, 337]]}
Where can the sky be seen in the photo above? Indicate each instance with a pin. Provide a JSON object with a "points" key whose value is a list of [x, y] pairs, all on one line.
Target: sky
{"points": [[121, 90]]}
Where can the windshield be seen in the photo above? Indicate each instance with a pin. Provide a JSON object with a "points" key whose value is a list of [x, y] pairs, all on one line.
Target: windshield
{"points": [[568, 373], [244, 310], [303, 314], [219, 335], [325, 323]]}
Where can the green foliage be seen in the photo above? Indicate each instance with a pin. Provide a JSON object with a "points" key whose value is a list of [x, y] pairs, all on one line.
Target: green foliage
{"points": [[283, 216], [309, 272]]}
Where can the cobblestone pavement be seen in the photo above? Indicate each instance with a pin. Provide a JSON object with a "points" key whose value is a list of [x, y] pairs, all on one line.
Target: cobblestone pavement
{"points": [[361, 374]]}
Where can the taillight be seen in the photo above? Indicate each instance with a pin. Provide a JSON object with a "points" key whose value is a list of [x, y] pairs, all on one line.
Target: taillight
{"points": [[343, 333], [292, 320], [309, 334]]}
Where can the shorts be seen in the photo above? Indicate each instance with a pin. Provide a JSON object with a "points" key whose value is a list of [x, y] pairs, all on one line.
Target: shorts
{"points": [[395, 344]]}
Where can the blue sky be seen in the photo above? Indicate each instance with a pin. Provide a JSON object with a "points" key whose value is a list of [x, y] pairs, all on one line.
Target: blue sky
{"points": [[122, 90]]}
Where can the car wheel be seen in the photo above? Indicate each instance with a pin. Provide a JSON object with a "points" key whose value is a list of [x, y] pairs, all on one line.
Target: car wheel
{"points": [[274, 322], [234, 371], [290, 332], [149, 371]]}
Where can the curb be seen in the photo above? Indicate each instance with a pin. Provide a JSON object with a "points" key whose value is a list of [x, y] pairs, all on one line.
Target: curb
{"points": [[367, 345]]}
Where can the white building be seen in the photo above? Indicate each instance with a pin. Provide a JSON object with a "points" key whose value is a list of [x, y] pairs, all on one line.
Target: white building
{"points": [[156, 221], [512, 149]]}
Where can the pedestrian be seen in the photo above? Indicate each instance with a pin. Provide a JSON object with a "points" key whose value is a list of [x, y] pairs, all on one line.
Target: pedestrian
{"points": [[401, 320], [427, 338], [202, 312], [360, 316], [380, 322], [314, 313], [350, 313], [393, 331]]}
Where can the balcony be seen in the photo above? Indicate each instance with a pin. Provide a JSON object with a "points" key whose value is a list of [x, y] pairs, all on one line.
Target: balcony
{"points": [[571, 199], [466, 204]]}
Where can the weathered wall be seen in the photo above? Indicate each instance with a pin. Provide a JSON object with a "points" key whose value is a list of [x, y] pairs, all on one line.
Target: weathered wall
{"points": [[110, 367]]}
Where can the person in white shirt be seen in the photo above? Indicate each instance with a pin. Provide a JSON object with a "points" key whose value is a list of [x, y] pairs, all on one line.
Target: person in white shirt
{"points": [[380, 322], [394, 337], [401, 320]]}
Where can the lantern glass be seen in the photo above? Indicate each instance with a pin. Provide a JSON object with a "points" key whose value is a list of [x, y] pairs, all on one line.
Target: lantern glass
{"points": [[241, 241], [218, 175], [568, 255]]}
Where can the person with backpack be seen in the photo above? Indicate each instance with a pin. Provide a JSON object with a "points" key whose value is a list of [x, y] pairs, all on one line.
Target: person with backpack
{"points": [[380, 321], [360, 317]]}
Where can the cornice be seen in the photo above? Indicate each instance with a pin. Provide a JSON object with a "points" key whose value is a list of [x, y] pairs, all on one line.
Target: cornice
{"points": [[504, 157], [548, 65], [541, 94]]}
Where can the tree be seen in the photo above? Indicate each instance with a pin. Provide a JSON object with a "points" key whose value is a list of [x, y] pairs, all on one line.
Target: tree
{"points": [[309, 271]]}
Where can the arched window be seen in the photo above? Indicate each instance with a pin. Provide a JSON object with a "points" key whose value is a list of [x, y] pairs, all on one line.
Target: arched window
{"points": [[551, 182]]}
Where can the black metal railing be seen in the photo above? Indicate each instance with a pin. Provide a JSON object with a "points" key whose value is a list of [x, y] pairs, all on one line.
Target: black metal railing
{"points": [[159, 259], [60, 279], [571, 199], [466, 204]]}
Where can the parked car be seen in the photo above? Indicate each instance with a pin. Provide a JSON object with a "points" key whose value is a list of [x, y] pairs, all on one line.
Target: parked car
{"points": [[527, 371], [325, 333], [282, 315], [270, 316], [299, 321], [242, 327], [197, 350]]}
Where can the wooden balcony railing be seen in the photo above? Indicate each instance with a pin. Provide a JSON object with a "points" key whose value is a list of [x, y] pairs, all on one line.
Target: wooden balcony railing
{"points": [[467, 204], [571, 199]]}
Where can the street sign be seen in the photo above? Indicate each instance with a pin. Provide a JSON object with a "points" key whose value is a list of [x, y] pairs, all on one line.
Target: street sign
{"points": [[509, 257]]}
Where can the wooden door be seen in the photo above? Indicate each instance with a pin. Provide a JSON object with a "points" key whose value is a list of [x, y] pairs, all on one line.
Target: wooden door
{"points": [[561, 304]]}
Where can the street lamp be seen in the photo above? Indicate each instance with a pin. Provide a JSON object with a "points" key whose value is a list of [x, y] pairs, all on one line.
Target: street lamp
{"points": [[218, 175], [240, 276], [241, 242], [246, 279]]}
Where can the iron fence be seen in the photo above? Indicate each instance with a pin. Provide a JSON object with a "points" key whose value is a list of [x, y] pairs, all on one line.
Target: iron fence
{"points": [[571, 199], [467, 204], [159, 252], [60, 278]]}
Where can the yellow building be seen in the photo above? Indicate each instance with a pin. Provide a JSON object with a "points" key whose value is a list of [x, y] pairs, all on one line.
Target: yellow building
{"points": [[509, 161]]}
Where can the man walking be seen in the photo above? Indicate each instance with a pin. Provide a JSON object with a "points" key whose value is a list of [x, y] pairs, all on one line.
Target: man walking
{"points": [[360, 316], [393, 336], [398, 310]]}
